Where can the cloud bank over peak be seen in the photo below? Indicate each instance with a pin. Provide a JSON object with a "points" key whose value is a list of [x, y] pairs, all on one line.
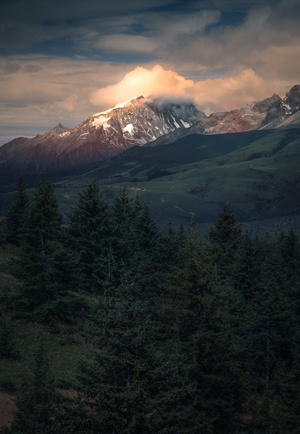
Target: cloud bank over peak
{"points": [[154, 82], [210, 95]]}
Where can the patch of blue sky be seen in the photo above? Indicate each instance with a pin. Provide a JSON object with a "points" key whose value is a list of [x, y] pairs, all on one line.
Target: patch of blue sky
{"points": [[119, 58], [62, 47], [228, 19]]}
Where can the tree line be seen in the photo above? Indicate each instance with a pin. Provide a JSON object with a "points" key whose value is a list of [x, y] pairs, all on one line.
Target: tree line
{"points": [[187, 336]]}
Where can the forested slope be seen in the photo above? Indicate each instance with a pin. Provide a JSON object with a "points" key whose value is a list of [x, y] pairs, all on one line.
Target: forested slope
{"points": [[169, 332]]}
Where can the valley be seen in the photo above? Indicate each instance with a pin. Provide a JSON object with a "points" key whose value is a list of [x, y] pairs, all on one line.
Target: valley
{"points": [[256, 172], [183, 163]]}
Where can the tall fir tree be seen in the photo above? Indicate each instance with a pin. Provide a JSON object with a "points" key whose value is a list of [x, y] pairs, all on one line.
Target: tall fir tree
{"points": [[170, 247], [289, 249], [123, 211], [224, 236], [37, 399], [270, 340], [14, 215], [285, 411], [7, 343], [146, 232], [89, 236], [115, 384], [39, 244], [195, 322], [246, 267], [125, 251]]}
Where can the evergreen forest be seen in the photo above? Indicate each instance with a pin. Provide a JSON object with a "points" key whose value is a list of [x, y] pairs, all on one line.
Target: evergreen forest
{"points": [[170, 332]]}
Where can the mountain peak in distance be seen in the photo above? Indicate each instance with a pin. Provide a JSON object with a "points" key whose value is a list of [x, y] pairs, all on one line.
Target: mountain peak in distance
{"points": [[138, 122]]}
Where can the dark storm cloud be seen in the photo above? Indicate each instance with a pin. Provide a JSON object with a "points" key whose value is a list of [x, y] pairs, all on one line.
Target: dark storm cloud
{"points": [[63, 10], [24, 24], [191, 31]]}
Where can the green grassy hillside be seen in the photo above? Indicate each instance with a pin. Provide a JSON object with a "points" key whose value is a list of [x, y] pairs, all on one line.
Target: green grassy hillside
{"points": [[256, 172], [195, 176]]}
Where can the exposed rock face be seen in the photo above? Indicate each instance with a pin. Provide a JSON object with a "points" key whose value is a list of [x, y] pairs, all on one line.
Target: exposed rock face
{"points": [[273, 112], [293, 97], [101, 136], [141, 122], [252, 117]]}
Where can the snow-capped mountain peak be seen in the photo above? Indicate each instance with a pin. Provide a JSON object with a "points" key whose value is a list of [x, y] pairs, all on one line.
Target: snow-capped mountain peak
{"points": [[117, 106], [139, 122], [102, 135]]}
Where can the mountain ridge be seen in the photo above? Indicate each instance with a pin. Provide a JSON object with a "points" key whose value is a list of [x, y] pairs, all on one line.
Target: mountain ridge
{"points": [[102, 135], [142, 122]]}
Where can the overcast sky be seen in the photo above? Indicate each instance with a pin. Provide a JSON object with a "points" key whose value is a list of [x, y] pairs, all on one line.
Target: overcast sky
{"points": [[62, 60]]}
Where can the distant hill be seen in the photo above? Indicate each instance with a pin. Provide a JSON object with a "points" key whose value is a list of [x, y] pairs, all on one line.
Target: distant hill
{"points": [[257, 173]]}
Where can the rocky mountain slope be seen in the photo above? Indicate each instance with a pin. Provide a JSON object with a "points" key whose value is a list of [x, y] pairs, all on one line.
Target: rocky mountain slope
{"points": [[268, 114], [271, 113], [100, 136], [141, 122]]}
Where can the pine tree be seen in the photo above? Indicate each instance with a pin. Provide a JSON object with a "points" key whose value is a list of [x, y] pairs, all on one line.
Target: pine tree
{"points": [[137, 207], [14, 215], [289, 249], [224, 236], [174, 397], [40, 233], [146, 231], [36, 400], [124, 247], [89, 236], [123, 212], [225, 231], [115, 384], [170, 247], [270, 330], [285, 411], [196, 323], [7, 344], [246, 267]]}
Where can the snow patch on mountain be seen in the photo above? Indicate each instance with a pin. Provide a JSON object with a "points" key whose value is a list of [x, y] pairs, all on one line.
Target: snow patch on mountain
{"points": [[126, 103], [138, 122], [82, 136], [185, 124], [100, 121], [175, 123], [288, 108], [64, 134], [128, 129]]}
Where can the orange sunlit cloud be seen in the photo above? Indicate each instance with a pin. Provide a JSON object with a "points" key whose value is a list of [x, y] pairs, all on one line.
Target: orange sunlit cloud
{"points": [[155, 82], [228, 92]]}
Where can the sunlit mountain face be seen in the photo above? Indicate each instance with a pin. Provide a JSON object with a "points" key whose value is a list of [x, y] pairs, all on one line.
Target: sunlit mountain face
{"points": [[142, 122], [102, 135]]}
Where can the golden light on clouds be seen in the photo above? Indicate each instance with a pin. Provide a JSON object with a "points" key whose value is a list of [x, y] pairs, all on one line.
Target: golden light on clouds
{"points": [[154, 82], [228, 92]]}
